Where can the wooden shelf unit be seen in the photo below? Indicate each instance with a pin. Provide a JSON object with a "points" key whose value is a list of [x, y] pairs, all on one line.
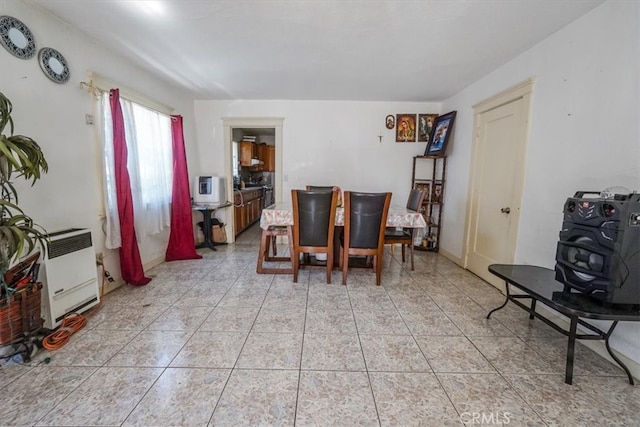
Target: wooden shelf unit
{"points": [[434, 183]]}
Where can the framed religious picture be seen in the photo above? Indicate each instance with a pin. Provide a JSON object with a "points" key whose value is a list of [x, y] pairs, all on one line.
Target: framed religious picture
{"points": [[390, 122], [423, 186], [436, 196], [440, 134], [425, 125], [405, 128]]}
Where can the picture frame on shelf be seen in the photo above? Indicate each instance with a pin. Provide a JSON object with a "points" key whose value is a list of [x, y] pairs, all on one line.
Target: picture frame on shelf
{"points": [[426, 187], [440, 135], [436, 196], [425, 126], [405, 128]]}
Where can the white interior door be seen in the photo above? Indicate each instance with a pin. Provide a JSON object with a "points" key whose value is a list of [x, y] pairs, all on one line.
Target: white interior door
{"points": [[496, 183]]}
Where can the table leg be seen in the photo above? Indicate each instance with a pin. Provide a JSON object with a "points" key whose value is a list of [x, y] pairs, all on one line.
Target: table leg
{"points": [[613, 356], [506, 300], [413, 239], [568, 376], [336, 246], [206, 231], [533, 309]]}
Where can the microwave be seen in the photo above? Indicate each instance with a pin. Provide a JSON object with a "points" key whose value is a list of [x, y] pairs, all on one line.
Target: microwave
{"points": [[208, 189]]}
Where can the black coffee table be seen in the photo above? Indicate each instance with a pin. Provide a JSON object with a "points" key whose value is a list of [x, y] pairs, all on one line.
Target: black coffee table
{"points": [[539, 284]]}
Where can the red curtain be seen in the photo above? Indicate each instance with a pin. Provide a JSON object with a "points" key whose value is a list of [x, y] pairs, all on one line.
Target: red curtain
{"points": [[130, 262], [181, 240]]}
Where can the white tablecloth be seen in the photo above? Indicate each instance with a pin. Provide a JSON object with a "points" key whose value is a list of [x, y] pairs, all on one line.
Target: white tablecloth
{"points": [[398, 216]]}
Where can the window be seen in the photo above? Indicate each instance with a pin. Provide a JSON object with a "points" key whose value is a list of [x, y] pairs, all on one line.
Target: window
{"points": [[149, 162]]}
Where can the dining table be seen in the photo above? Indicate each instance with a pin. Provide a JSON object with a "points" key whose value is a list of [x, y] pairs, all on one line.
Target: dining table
{"points": [[280, 216], [398, 216]]}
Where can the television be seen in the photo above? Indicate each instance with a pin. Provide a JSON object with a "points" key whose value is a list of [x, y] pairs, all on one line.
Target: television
{"points": [[208, 190]]}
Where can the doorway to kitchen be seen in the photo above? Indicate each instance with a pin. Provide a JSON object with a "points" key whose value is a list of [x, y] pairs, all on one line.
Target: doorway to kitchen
{"points": [[263, 138]]}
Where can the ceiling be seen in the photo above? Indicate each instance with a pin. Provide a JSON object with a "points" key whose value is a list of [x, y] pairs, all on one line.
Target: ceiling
{"points": [[379, 50]]}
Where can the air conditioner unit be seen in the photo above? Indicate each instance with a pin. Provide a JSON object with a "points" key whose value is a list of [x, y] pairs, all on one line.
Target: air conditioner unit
{"points": [[68, 275]]}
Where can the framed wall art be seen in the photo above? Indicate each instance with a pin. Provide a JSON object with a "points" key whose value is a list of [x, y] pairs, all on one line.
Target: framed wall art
{"points": [[440, 134], [425, 126], [405, 128], [390, 122]]}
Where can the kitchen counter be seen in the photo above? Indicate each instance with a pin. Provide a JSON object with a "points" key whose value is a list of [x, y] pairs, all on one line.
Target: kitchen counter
{"points": [[246, 194], [247, 207]]}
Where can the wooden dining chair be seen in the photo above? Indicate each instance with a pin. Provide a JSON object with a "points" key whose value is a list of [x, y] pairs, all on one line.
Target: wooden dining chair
{"points": [[404, 237], [267, 242], [365, 217], [314, 215]]}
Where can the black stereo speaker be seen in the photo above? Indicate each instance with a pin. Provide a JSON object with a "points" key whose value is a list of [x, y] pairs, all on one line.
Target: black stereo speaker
{"points": [[599, 248]]}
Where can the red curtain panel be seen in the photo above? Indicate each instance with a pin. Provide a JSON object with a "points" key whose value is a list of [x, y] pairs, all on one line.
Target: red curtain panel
{"points": [[130, 262], [181, 241]]}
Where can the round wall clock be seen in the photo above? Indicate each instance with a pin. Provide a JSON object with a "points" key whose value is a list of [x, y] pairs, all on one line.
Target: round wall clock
{"points": [[54, 65], [16, 37]]}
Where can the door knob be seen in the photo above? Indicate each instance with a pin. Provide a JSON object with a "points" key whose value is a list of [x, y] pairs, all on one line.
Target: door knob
{"points": [[506, 210]]}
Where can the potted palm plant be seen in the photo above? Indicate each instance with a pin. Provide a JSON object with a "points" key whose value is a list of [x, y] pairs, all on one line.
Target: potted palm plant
{"points": [[20, 157]]}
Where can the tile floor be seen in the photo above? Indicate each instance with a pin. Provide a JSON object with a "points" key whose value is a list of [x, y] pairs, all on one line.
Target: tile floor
{"points": [[210, 342]]}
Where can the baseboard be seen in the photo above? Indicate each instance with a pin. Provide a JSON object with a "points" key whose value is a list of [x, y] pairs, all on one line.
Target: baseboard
{"points": [[112, 286], [451, 257], [597, 346]]}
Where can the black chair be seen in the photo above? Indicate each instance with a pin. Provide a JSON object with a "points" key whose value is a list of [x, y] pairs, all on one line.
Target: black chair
{"points": [[314, 215], [405, 236], [319, 188], [365, 217]]}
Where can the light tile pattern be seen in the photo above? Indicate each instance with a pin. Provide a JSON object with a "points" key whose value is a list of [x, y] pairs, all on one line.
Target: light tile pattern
{"points": [[210, 342]]}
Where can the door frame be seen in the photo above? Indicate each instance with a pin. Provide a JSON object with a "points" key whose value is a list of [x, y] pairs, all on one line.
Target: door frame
{"points": [[522, 91], [228, 124]]}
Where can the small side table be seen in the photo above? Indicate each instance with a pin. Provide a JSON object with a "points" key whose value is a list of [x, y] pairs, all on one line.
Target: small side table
{"points": [[539, 284], [207, 212]]}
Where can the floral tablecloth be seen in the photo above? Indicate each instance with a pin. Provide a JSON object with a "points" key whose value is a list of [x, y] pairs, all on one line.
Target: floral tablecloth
{"points": [[398, 216]]}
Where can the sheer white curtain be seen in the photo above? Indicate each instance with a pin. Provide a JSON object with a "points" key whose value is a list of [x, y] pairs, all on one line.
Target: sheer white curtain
{"points": [[149, 163]]}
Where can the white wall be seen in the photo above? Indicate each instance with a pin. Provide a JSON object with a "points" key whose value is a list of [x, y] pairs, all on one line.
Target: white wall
{"points": [[585, 133], [324, 142], [54, 115]]}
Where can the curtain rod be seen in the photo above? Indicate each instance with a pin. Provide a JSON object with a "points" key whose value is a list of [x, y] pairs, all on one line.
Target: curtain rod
{"points": [[98, 85], [92, 88]]}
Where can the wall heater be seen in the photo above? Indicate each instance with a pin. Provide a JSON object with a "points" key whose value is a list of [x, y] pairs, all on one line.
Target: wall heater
{"points": [[69, 276]]}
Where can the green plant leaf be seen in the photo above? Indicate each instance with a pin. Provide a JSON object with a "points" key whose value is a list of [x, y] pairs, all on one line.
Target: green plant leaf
{"points": [[20, 156]]}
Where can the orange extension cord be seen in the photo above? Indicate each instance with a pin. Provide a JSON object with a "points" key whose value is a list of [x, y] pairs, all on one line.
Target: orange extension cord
{"points": [[71, 324]]}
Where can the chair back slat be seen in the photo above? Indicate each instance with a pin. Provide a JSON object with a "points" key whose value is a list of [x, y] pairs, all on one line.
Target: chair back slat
{"points": [[314, 214], [416, 198], [320, 188], [367, 215]]}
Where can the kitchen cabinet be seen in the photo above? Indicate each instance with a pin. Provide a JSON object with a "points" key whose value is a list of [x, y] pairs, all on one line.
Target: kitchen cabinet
{"points": [[246, 153], [433, 183], [247, 208], [270, 161], [263, 153]]}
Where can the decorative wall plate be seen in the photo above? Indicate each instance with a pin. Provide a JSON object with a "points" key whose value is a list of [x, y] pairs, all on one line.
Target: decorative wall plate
{"points": [[16, 37], [54, 65]]}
